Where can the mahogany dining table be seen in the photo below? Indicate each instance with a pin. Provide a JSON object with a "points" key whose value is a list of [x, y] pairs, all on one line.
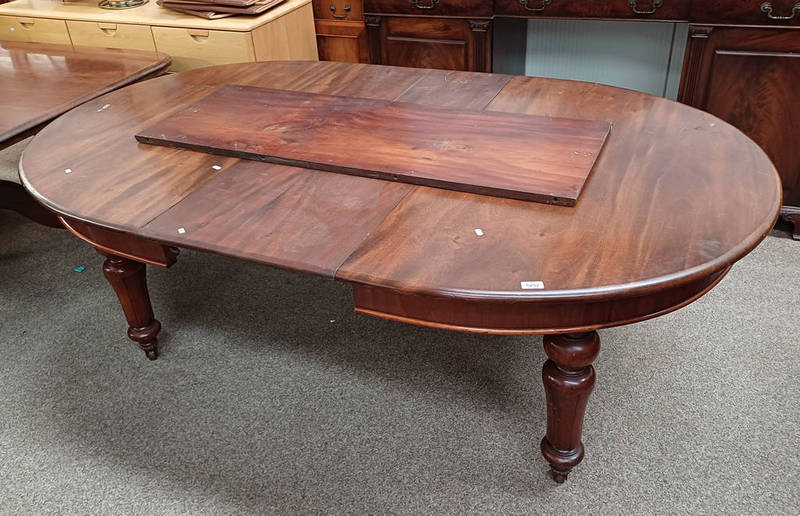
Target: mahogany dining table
{"points": [[39, 82], [675, 198]]}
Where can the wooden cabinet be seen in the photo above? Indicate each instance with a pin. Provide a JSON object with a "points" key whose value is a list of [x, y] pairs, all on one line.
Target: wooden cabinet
{"points": [[750, 77], [445, 43], [462, 8], [747, 12], [285, 32], [33, 30], [343, 10], [342, 41], [640, 9], [193, 48], [341, 35], [111, 35]]}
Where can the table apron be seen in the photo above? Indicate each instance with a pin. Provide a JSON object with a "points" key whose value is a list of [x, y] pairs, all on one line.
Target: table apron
{"points": [[514, 317]]}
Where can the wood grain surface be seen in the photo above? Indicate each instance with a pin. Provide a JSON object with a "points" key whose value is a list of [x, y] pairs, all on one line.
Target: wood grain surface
{"points": [[40, 81], [522, 157], [676, 197]]}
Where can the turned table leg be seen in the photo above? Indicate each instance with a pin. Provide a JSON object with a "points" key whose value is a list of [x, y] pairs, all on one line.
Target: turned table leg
{"points": [[792, 215], [129, 280], [568, 381]]}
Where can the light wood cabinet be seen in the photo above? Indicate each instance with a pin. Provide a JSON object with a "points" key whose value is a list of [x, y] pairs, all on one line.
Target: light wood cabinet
{"points": [[288, 38], [111, 35], [285, 32], [194, 48], [33, 30]]}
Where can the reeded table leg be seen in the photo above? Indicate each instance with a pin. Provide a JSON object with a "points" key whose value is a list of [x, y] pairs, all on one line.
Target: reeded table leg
{"points": [[568, 381], [129, 280]]}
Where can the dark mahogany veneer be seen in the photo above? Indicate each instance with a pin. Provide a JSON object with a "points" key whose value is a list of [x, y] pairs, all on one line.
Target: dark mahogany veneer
{"points": [[676, 197]]}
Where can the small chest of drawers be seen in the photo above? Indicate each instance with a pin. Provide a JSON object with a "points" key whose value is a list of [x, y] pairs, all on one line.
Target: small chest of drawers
{"points": [[284, 32]]}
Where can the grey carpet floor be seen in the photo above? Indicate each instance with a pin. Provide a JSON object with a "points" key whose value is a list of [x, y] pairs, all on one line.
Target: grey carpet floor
{"points": [[272, 397]]}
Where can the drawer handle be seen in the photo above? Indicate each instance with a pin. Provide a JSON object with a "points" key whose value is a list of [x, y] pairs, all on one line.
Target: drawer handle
{"points": [[346, 10], [766, 7], [415, 3], [545, 3], [199, 35], [28, 25], [109, 29], [633, 4]]}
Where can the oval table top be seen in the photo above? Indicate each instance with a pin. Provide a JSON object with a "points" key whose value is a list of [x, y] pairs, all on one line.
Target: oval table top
{"points": [[675, 198]]}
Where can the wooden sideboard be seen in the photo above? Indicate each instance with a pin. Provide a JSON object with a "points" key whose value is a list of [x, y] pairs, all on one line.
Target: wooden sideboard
{"points": [[742, 61], [284, 32], [750, 77]]}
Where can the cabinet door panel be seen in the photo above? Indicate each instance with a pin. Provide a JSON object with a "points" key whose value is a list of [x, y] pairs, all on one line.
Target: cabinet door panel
{"points": [[445, 43], [750, 78], [342, 41], [421, 53]]}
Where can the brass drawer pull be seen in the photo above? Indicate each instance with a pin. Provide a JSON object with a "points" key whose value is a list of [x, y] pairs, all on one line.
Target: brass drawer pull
{"points": [[415, 3], [545, 3], [633, 4], [766, 7], [346, 10]]}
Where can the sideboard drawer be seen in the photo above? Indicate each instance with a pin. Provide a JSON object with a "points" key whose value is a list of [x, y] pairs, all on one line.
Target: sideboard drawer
{"points": [[477, 8], [647, 9], [194, 48], [747, 12], [111, 35], [346, 10], [33, 30]]}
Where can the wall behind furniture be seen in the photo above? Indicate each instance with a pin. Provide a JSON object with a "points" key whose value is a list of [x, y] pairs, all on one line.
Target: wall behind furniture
{"points": [[641, 56]]}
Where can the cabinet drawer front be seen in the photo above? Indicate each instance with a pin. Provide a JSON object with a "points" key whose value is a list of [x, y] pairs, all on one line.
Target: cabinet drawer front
{"points": [[111, 35], [342, 41], [648, 9], [349, 10], [747, 12], [195, 48], [33, 30], [430, 7]]}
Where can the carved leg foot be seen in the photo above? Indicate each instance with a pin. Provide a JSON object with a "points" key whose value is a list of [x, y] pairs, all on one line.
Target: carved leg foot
{"points": [[568, 381], [129, 280]]}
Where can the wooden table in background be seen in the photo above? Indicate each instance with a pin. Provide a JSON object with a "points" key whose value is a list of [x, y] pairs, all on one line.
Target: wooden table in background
{"points": [[39, 82], [675, 199]]}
